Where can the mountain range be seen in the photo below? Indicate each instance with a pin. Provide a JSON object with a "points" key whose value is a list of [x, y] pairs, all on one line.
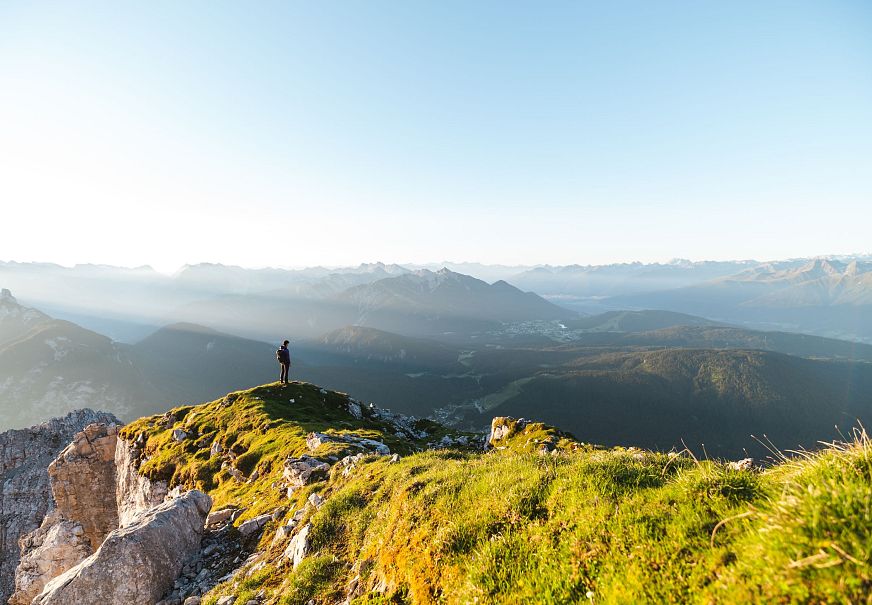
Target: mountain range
{"points": [[819, 296], [49, 367], [458, 349], [421, 303], [827, 296]]}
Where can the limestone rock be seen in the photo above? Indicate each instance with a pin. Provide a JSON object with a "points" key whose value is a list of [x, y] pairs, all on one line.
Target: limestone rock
{"points": [[58, 545], [284, 532], [134, 493], [349, 463], [453, 441], [300, 471], [354, 409], [404, 425], [237, 474], [248, 528], [138, 563], [216, 449], [745, 464], [279, 513], [25, 493], [83, 481], [221, 553], [503, 427], [298, 547], [219, 516], [316, 440]]}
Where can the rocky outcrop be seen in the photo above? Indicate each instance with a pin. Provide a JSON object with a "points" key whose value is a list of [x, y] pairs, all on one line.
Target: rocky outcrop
{"points": [[58, 545], [83, 481], [138, 563], [305, 469], [25, 494], [315, 440], [503, 427], [298, 547], [134, 493]]}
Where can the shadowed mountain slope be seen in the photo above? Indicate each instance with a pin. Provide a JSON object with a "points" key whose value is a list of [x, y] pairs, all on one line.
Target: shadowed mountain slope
{"points": [[716, 398]]}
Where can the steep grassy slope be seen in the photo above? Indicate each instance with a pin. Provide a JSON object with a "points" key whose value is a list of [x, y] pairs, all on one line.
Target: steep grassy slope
{"points": [[455, 525]]}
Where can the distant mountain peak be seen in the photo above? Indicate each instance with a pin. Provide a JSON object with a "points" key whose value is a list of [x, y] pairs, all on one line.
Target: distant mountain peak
{"points": [[434, 279], [822, 266], [15, 317], [377, 268]]}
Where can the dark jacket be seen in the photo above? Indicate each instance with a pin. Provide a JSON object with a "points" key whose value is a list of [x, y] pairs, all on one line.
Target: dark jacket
{"points": [[283, 355]]}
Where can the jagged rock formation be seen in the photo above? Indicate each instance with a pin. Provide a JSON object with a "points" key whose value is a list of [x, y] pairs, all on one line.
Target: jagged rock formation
{"points": [[136, 564], [25, 497], [298, 547], [82, 481], [503, 427], [520, 433], [134, 493], [96, 485], [58, 545]]}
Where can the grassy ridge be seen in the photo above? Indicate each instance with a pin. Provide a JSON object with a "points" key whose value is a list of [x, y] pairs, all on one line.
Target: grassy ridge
{"points": [[513, 526]]}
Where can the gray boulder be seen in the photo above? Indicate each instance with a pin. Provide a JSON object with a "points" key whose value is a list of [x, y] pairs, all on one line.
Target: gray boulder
{"points": [[248, 528], [58, 545], [136, 564], [298, 547], [300, 471]]}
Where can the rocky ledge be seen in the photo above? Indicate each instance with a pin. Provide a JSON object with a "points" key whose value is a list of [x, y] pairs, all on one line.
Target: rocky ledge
{"points": [[25, 496], [110, 535]]}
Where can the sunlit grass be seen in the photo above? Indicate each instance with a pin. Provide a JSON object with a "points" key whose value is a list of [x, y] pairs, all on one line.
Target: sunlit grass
{"points": [[515, 526]]}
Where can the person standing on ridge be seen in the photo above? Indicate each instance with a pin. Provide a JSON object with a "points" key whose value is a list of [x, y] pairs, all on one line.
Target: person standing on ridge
{"points": [[284, 357]]}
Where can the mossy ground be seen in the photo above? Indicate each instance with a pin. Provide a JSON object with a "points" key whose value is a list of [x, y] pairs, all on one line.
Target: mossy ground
{"points": [[511, 526], [531, 436]]}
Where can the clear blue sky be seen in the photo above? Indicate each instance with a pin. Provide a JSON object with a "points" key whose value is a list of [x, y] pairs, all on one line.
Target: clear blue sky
{"points": [[505, 132]]}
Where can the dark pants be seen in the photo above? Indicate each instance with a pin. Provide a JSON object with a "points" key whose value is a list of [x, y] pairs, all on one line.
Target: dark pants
{"points": [[285, 367]]}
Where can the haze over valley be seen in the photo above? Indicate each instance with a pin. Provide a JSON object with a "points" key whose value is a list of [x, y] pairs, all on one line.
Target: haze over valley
{"points": [[710, 353]]}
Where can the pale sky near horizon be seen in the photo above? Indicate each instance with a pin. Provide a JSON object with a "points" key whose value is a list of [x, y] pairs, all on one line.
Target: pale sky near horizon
{"points": [[292, 134]]}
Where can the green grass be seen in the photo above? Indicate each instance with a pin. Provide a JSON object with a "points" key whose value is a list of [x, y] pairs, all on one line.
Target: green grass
{"points": [[531, 436], [261, 427], [513, 526]]}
